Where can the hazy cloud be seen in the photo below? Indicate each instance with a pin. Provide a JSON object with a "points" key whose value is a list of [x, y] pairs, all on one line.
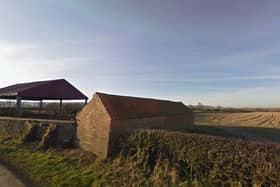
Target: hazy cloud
{"points": [[221, 51]]}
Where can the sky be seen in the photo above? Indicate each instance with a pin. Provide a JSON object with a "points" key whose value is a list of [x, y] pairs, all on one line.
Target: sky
{"points": [[218, 52]]}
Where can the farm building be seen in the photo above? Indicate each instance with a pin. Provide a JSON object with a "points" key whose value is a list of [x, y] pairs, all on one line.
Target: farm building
{"points": [[58, 89], [106, 116]]}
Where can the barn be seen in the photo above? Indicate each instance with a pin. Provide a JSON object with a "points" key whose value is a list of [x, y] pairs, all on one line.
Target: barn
{"points": [[58, 89], [106, 116]]}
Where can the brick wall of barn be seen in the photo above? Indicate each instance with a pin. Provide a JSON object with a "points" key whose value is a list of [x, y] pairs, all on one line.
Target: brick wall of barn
{"points": [[96, 132], [173, 123], [94, 128]]}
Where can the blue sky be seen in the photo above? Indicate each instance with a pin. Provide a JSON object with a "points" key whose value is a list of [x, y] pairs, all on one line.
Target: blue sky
{"points": [[218, 52]]}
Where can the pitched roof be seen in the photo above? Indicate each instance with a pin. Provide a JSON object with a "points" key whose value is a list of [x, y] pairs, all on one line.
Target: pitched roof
{"points": [[124, 107], [51, 89]]}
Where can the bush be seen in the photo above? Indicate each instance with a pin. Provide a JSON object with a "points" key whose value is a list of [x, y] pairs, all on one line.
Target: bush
{"points": [[176, 158]]}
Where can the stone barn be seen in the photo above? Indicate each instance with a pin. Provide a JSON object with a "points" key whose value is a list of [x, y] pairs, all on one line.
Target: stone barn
{"points": [[106, 116]]}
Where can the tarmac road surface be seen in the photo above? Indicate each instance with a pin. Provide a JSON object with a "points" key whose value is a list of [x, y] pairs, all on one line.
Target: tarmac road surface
{"points": [[8, 179]]}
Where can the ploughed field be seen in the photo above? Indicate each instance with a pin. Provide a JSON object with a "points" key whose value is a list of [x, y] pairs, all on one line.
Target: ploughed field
{"points": [[245, 119], [258, 126]]}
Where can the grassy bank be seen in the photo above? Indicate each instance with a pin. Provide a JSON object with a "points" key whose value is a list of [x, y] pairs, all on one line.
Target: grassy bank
{"points": [[154, 158]]}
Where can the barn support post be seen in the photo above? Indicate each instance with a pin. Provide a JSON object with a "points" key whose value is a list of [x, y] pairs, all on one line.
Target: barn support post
{"points": [[18, 106], [60, 107], [86, 100], [10, 107], [40, 107]]}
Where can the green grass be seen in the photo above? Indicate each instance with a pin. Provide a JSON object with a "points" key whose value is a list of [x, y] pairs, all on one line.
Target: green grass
{"points": [[45, 168], [155, 158]]}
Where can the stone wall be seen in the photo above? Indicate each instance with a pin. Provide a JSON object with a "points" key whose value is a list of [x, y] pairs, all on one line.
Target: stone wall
{"points": [[17, 127]]}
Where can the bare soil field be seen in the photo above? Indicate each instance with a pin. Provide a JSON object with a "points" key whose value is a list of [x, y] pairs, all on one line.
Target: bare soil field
{"points": [[245, 119], [259, 126]]}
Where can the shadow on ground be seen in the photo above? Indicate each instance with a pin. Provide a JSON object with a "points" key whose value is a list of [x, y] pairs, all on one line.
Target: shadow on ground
{"points": [[240, 132]]}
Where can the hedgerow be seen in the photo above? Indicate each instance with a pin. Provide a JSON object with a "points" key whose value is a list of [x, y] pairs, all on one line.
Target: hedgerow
{"points": [[155, 158]]}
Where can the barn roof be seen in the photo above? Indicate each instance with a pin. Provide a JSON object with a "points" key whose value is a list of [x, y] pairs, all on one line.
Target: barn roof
{"points": [[47, 90], [124, 107]]}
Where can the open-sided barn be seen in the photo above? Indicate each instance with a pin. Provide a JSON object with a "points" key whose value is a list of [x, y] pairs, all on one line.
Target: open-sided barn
{"points": [[106, 116], [58, 89]]}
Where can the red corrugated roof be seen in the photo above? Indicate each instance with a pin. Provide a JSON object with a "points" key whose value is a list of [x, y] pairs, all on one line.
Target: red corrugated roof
{"points": [[51, 89], [124, 107]]}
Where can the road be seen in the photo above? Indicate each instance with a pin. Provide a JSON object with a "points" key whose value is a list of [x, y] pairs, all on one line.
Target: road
{"points": [[8, 179]]}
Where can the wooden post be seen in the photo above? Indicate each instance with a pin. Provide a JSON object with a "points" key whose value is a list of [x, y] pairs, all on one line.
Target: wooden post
{"points": [[86, 101], [18, 106]]}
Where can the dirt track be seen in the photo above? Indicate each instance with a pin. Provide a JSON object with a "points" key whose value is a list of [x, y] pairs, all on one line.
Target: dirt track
{"points": [[250, 119], [7, 179]]}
